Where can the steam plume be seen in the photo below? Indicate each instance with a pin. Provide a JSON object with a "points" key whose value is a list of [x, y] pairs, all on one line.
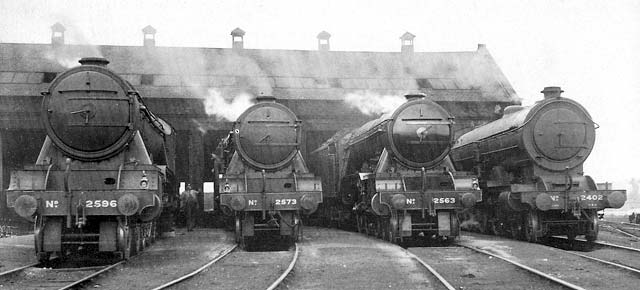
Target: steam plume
{"points": [[370, 103], [216, 104]]}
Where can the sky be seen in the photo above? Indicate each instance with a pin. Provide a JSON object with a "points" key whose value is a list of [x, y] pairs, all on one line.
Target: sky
{"points": [[589, 48]]}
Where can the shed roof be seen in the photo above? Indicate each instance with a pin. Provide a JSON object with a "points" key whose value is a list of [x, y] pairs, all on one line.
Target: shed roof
{"points": [[180, 72]]}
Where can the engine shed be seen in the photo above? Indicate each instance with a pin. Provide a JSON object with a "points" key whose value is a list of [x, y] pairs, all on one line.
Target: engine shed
{"points": [[177, 83]]}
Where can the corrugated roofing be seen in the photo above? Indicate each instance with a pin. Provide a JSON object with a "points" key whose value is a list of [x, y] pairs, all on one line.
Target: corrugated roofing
{"points": [[450, 76]]}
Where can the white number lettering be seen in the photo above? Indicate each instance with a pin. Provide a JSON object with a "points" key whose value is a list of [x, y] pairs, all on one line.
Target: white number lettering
{"points": [[286, 201], [101, 203], [444, 200], [592, 197]]}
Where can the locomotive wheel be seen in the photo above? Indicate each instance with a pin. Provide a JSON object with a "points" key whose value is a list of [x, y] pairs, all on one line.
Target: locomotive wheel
{"points": [[483, 223], [531, 226], [238, 227], [127, 247], [592, 228], [516, 230], [43, 257], [391, 231], [360, 223], [571, 234], [296, 231]]}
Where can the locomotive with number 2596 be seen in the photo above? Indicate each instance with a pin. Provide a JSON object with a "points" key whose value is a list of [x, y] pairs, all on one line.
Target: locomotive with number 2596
{"points": [[105, 170]]}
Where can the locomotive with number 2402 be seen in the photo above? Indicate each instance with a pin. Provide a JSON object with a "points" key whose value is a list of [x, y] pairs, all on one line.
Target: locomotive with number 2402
{"points": [[529, 164]]}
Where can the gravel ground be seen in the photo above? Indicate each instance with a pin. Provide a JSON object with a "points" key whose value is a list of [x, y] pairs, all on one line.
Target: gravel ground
{"points": [[608, 235], [241, 270], [16, 251], [571, 268], [467, 269], [334, 259], [167, 259]]}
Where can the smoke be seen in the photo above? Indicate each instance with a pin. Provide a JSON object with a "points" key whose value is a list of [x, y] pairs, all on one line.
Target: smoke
{"points": [[68, 56], [370, 103], [226, 108]]}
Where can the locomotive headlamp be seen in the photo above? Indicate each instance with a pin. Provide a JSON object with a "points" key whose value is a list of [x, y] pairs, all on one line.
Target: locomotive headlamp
{"points": [[543, 202], [468, 200], [398, 201], [474, 184], [237, 203], [616, 199], [308, 203], [144, 181], [226, 188], [128, 204], [25, 206]]}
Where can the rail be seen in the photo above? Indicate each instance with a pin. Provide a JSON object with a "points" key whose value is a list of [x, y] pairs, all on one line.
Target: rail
{"points": [[197, 271], [433, 271], [527, 268], [287, 271]]}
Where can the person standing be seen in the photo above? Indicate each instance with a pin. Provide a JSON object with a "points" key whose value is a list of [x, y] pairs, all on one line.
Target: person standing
{"points": [[189, 204]]}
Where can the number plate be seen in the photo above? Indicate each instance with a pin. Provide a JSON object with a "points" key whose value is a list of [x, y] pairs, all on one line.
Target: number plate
{"points": [[444, 200], [591, 197], [101, 203], [286, 201]]}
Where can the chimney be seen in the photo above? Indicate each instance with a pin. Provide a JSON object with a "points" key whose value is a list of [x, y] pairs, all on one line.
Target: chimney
{"points": [[411, 97], [407, 42], [266, 99], [97, 61], [57, 34], [149, 34], [552, 92], [323, 41], [482, 46], [237, 38]]}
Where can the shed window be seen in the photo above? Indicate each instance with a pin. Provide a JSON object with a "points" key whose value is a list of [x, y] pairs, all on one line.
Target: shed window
{"points": [[146, 80], [48, 77]]}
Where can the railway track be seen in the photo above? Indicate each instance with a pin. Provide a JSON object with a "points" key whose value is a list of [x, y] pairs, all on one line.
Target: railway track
{"points": [[197, 271], [431, 270], [628, 229], [531, 270], [219, 266], [34, 277], [624, 261]]}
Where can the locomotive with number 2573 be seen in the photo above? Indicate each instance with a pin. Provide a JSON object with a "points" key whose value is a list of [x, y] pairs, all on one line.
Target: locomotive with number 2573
{"points": [[265, 185], [105, 171], [530, 168]]}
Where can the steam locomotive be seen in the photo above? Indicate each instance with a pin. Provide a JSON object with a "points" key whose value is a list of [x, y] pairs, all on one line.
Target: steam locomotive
{"points": [[264, 183], [529, 164], [105, 171], [392, 177]]}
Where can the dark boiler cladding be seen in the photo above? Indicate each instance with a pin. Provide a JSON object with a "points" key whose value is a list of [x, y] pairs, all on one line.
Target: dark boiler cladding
{"points": [[530, 167], [103, 181], [392, 177]]}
